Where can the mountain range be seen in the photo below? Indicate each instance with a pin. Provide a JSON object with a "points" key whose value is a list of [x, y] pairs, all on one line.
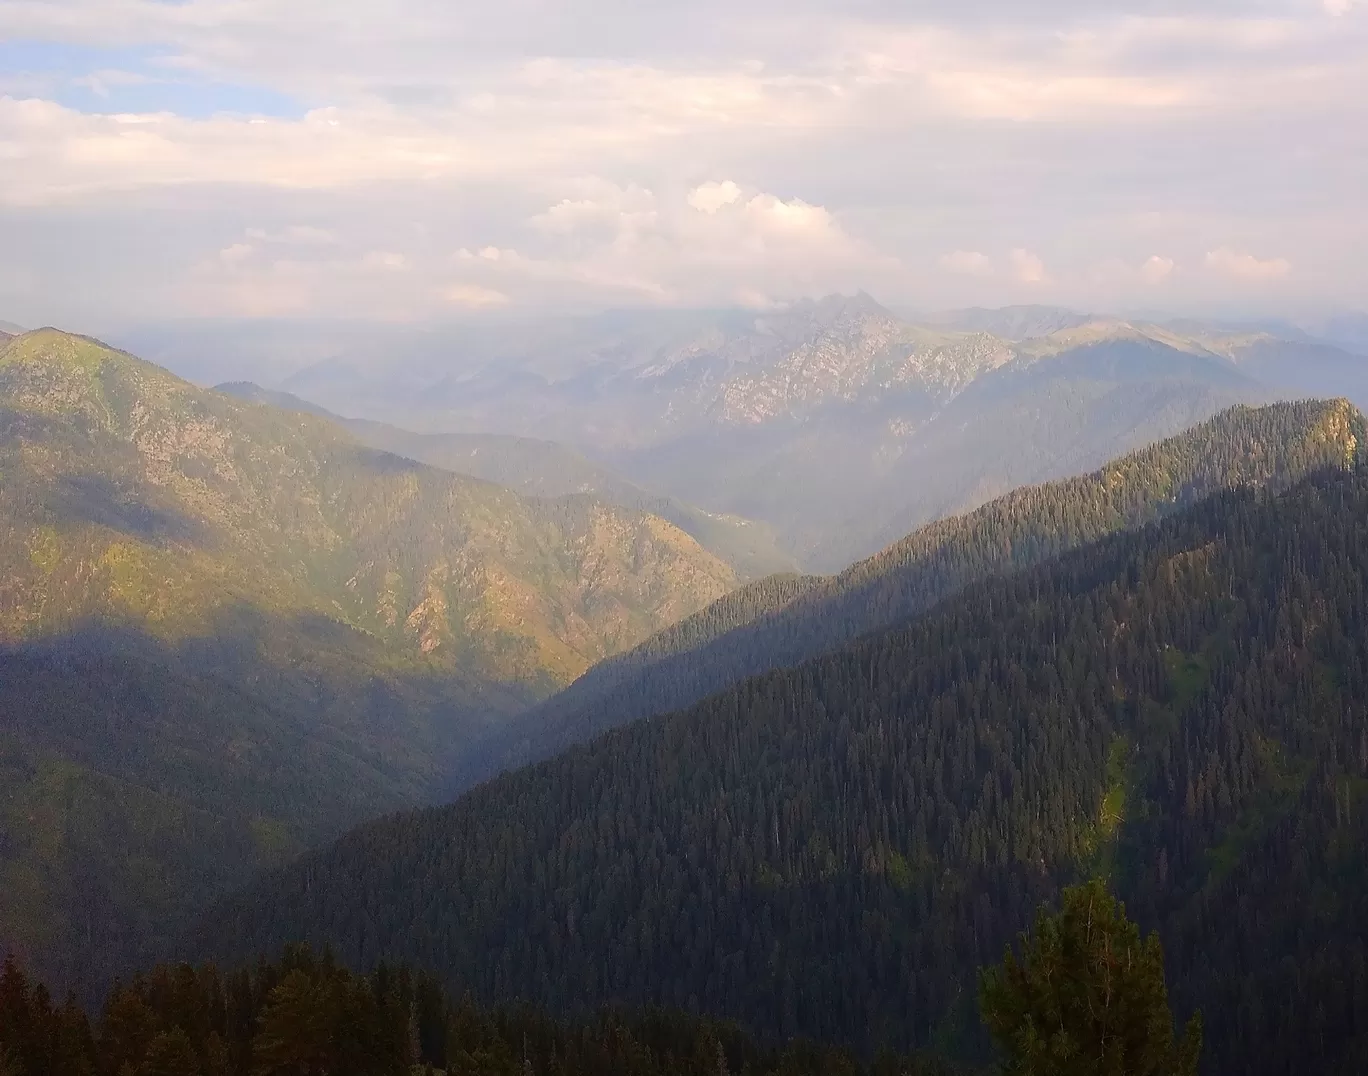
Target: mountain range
{"points": [[784, 620], [836, 423], [227, 631], [833, 848], [235, 626]]}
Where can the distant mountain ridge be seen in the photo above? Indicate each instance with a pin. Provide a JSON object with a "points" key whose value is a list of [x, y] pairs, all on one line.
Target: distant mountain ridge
{"points": [[839, 424], [780, 622], [1013, 323]]}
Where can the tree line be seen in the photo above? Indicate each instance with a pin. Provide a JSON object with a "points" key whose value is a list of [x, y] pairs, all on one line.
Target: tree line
{"points": [[1081, 994]]}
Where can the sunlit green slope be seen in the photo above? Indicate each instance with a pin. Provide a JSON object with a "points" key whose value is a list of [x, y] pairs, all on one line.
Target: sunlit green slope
{"points": [[226, 629]]}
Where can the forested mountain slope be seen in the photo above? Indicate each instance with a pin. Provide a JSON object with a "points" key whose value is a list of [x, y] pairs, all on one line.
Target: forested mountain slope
{"points": [[545, 469], [226, 630], [1270, 446], [835, 848]]}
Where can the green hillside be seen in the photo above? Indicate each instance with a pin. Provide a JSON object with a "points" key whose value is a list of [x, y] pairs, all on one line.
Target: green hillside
{"points": [[834, 848], [1266, 447], [227, 631], [546, 469]]}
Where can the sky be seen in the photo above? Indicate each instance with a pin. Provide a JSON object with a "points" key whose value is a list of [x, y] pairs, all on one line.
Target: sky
{"points": [[421, 160]]}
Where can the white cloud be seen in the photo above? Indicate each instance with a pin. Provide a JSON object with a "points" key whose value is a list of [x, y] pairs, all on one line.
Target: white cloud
{"points": [[1156, 269], [724, 245], [710, 197], [384, 259], [296, 270], [474, 296], [236, 254], [1242, 266], [1027, 267], [755, 150], [967, 262], [605, 206]]}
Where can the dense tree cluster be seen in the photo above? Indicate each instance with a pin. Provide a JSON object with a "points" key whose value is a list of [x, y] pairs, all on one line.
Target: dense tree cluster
{"points": [[780, 622], [304, 1015], [1086, 997], [834, 848], [564, 718]]}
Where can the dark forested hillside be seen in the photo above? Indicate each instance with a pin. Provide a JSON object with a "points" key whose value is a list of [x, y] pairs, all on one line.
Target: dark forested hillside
{"points": [[228, 631], [1267, 447], [836, 847], [670, 669]]}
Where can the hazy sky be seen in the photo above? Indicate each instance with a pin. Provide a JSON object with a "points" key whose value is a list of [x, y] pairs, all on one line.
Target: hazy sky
{"points": [[418, 159]]}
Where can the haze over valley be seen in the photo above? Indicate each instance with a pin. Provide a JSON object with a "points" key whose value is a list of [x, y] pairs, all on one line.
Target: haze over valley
{"points": [[794, 539]]}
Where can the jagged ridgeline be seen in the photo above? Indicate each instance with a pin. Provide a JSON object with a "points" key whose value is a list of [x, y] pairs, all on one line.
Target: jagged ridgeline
{"points": [[786, 619], [227, 630], [835, 848]]}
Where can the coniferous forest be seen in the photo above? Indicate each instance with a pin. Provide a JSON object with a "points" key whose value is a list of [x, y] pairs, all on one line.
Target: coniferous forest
{"points": [[306, 1014], [783, 620], [743, 538], [834, 849], [846, 797]]}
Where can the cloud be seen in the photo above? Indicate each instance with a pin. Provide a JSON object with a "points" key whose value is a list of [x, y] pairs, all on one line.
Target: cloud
{"points": [[710, 197], [1027, 267], [298, 270], [613, 152], [1156, 269], [1230, 263], [967, 262], [716, 242], [474, 296]]}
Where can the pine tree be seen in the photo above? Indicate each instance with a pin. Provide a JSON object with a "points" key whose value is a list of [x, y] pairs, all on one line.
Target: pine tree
{"points": [[1086, 997], [171, 1054]]}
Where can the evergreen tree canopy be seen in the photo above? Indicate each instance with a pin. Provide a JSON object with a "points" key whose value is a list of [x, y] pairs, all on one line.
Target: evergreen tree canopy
{"points": [[783, 620], [835, 848], [305, 1016], [1086, 997]]}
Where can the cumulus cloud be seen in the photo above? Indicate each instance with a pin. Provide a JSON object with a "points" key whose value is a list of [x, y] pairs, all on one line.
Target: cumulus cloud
{"points": [[1156, 269], [612, 150], [1243, 266], [1027, 267], [967, 262], [474, 296], [710, 197], [716, 242]]}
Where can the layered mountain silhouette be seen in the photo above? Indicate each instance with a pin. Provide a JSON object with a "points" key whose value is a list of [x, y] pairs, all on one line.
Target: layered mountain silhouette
{"points": [[787, 619], [233, 626], [834, 848], [835, 422], [227, 631]]}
